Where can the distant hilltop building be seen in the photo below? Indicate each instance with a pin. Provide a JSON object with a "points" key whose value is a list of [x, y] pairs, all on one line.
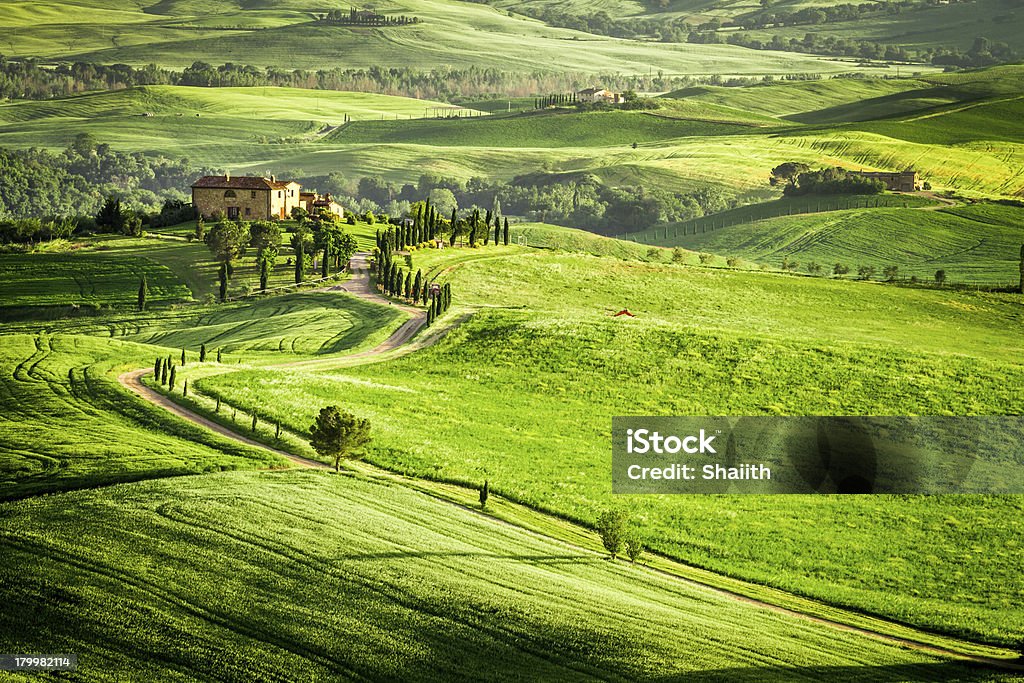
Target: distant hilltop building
{"points": [[599, 95], [900, 181], [255, 198]]}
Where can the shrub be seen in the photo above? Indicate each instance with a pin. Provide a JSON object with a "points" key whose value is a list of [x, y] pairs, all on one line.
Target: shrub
{"points": [[705, 257]]}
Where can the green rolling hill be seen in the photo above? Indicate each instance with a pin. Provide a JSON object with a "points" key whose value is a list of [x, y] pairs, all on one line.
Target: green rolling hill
{"points": [[285, 35], [974, 244]]}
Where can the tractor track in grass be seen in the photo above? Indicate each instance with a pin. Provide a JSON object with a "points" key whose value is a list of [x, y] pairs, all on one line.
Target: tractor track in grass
{"points": [[359, 285]]}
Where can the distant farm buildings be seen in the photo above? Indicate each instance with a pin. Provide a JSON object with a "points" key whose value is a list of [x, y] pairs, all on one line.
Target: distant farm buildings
{"points": [[255, 198], [596, 95], [902, 181]]}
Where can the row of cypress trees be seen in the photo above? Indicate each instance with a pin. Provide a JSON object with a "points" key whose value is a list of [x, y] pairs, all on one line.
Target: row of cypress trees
{"points": [[439, 303], [165, 371]]}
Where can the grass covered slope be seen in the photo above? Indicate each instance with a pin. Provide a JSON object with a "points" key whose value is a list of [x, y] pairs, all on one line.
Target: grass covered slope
{"points": [[205, 124], [540, 129], [69, 425], [285, 35], [102, 277], [977, 243], [525, 397], [305, 575]]}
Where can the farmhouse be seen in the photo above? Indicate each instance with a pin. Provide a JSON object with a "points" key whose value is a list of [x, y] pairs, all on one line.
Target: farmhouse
{"points": [[599, 95], [316, 203], [255, 198], [905, 181], [245, 197]]}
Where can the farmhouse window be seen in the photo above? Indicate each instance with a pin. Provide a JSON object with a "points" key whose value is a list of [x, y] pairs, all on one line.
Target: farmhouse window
{"points": [[280, 194], [232, 212], [252, 195], [229, 194], [248, 211]]}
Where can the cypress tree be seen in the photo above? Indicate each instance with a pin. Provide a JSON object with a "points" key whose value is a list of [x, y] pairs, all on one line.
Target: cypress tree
{"points": [[408, 286], [417, 285], [143, 292], [497, 232], [156, 369], [163, 374], [202, 353], [455, 223], [430, 317], [219, 357], [506, 231], [222, 275], [184, 389], [217, 410], [277, 431], [484, 495], [254, 422], [425, 292], [182, 356], [170, 382]]}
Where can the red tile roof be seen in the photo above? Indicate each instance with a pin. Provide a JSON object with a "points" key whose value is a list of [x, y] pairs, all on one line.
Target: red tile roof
{"points": [[241, 183]]}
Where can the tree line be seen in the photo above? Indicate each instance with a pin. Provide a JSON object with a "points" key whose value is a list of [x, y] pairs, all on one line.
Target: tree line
{"points": [[577, 200], [799, 179], [76, 181], [36, 79], [354, 17]]}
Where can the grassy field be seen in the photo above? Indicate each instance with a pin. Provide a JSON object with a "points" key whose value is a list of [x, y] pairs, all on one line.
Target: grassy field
{"points": [[95, 277], [541, 129], [451, 34], [524, 397], [68, 425], [296, 576], [784, 206], [200, 122], [977, 244]]}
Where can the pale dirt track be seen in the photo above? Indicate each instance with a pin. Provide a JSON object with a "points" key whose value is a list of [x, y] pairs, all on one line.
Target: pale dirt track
{"points": [[359, 285]]}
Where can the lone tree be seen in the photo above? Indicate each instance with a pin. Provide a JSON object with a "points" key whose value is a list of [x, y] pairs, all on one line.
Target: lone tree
{"points": [[484, 495], [227, 241], [940, 276], [505, 235], [202, 353], [143, 293], [611, 526], [337, 434]]}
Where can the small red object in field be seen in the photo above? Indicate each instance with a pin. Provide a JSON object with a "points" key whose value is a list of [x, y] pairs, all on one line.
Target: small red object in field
{"points": [[624, 311]]}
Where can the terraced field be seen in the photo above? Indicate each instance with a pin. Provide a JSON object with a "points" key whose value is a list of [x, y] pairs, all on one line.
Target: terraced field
{"points": [[293, 576]]}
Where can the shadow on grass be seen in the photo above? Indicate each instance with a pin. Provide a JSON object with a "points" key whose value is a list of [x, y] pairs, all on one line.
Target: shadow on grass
{"points": [[932, 672]]}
